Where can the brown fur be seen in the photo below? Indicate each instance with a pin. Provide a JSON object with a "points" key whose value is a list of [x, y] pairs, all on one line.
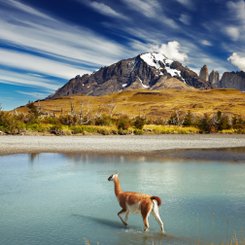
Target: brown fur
{"points": [[143, 202], [158, 199]]}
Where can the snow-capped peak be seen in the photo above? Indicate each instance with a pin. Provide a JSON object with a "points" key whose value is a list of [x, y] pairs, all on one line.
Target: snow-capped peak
{"points": [[157, 60]]}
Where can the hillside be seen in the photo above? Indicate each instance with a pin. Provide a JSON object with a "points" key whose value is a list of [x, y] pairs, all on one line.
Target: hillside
{"points": [[154, 105]]}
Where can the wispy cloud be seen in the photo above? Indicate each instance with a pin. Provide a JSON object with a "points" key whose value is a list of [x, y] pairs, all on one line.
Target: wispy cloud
{"points": [[50, 46], [35, 95], [105, 10], [25, 8], [37, 64], [27, 80], [149, 8], [185, 19], [206, 42], [187, 3]]}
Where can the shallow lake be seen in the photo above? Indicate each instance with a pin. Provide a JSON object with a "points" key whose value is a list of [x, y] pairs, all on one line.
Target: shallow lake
{"points": [[66, 199]]}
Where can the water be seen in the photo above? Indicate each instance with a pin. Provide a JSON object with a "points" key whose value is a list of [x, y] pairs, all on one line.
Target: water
{"points": [[66, 199]]}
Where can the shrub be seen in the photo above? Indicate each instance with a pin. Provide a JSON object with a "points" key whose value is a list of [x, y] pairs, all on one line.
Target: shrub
{"points": [[221, 121], [69, 119], [123, 123], [36, 127], [104, 120], [10, 124], [56, 129], [139, 122], [188, 120], [205, 124], [77, 130], [138, 132]]}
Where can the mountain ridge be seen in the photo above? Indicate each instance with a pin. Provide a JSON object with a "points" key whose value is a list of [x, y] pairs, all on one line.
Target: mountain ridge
{"points": [[145, 70]]}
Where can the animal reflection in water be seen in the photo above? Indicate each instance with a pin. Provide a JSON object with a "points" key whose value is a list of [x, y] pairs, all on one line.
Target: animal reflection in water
{"points": [[133, 202]]}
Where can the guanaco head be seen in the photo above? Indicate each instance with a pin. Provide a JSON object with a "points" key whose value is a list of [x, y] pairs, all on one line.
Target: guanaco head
{"points": [[111, 178]]}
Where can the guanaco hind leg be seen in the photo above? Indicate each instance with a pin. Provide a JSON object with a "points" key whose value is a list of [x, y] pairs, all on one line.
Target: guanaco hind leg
{"points": [[155, 212]]}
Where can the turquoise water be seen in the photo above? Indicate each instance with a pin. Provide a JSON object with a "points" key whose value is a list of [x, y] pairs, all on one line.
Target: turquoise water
{"points": [[66, 199]]}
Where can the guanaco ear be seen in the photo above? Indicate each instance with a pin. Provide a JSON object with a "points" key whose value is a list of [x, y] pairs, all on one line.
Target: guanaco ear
{"points": [[111, 177]]}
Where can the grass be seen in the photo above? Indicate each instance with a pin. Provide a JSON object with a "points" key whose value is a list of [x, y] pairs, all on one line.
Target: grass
{"points": [[150, 104], [169, 129]]}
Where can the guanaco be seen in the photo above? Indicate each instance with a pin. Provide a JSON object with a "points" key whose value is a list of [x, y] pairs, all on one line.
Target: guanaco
{"points": [[134, 202]]}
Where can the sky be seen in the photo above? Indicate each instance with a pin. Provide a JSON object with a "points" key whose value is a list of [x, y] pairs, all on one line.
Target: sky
{"points": [[44, 43]]}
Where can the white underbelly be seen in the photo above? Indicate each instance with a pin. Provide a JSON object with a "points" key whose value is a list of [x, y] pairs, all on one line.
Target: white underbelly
{"points": [[134, 208]]}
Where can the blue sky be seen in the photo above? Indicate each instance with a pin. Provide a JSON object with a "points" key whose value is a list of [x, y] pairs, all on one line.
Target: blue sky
{"points": [[44, 43]]}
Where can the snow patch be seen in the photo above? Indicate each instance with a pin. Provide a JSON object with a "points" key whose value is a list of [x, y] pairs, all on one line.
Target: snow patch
{"points": [[157, 60], [143, 85]]}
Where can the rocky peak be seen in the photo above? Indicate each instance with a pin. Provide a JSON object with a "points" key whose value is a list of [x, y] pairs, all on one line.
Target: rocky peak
{"points": [[233, 80], [214, 78], [204, 73]]}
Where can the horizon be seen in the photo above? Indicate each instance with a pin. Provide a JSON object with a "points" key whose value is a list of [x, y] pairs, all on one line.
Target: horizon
{"points": [[43, 44]]}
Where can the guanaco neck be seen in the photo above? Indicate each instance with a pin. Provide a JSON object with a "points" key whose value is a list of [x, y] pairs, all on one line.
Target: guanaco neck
{"points": [[117, 186]]}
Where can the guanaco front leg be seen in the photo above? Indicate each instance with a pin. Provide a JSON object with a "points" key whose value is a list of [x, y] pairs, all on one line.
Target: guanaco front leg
{"points": [[119, 215]]}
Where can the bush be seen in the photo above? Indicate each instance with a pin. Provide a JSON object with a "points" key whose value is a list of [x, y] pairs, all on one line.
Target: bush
{"points": [[10, 124], [123, 123], [138, 132], [104, 120], [77, 130], [69, 120], [139, 122], [221, 121], [56, 129], [188, 120], [37, 127], [205, 124]]}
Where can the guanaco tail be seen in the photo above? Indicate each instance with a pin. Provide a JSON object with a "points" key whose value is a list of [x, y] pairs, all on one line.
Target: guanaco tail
{"points": [[134, 202]]}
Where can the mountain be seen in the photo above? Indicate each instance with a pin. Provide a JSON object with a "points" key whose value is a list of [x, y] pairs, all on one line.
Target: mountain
{"points": [[145, 71], [233, 80], [204, 73]]}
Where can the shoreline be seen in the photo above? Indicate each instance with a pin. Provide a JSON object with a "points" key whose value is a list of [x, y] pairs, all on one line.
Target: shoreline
{"points": [[212, 147]]}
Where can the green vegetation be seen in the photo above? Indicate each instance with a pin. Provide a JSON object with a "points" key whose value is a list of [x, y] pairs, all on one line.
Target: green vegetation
{"points": [[179, 122], [131, 112]]}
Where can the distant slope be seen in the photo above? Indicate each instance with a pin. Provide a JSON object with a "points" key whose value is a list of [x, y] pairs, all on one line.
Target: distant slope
{"points": [[151, 104]]}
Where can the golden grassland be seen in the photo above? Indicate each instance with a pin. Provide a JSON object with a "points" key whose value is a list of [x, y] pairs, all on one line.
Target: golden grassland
{"points": [[149, 104]]}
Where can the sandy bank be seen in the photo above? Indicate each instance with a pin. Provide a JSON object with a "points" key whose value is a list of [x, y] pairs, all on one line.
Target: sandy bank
{"points": [[119, 144]]}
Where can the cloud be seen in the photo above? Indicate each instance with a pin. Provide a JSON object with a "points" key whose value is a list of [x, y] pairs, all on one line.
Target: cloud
{"points": [[185, 19], [35, 95], [38, 64], [206, 42], [187, 3], [172, 51], [238, 9], [27, 80], [233, 32], [62, 44], [105, 10], [25, 8], [149, 8], [237, 61]]}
